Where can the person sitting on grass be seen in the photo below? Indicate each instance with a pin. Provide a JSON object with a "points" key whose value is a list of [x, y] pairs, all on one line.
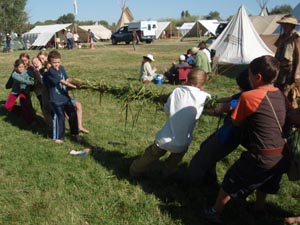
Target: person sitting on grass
{"points": [[172, 73], [57, 82], [147, 73], [261, 113], [184, 107], [21, 85]]}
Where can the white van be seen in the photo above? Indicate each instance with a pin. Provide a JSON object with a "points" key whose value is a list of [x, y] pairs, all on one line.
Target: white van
{"points": [[146, 29]]}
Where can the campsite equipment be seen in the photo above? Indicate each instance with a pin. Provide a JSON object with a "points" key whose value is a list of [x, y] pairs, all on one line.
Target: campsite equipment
{"points": [[159, 79], [80, 153]]}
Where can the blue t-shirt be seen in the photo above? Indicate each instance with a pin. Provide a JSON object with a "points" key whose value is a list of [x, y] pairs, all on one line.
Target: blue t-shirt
{"points": [[58, 92], [229, 133]]}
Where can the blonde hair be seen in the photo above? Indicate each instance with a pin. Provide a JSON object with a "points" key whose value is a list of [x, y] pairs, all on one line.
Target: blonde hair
{"points": [[197, 78]]}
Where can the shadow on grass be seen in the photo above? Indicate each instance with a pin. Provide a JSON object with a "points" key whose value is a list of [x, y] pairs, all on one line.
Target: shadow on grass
{"points": [[183, 203], [15, 119]]}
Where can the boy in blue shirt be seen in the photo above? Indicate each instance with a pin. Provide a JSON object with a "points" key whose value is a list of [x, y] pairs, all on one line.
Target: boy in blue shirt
{"points": [[56, 82]]}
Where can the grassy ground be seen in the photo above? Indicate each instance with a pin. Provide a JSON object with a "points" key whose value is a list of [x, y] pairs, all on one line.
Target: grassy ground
{"points": [[40, 183]]}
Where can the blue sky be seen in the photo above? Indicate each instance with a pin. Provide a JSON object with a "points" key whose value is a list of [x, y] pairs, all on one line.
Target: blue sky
{"points": [[110, 10]]}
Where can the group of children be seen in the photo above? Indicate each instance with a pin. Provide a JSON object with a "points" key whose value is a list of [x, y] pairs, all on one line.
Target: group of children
{"points": [[256, 117], [46, 77]]}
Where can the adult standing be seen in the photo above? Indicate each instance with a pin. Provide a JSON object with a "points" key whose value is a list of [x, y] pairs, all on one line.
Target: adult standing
{"points": [[91, 39], [201, 60], [69, 37], [203, 47], [8, 43], [76, 39], [288, 52]]}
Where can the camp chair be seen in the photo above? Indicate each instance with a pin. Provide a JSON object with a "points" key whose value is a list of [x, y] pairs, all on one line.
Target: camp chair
{"points": [[183, 72]]}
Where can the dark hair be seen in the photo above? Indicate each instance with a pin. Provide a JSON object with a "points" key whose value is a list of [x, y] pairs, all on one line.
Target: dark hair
{"points": [[242, 80], [24, 54], [18, 62], [267, 66], [202, 45], [53, 55]]}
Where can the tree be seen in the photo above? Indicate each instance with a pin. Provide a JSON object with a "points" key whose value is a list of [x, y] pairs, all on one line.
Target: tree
{"points": [[13, 16], [213, 15], [69, 18], [283, 9], [187, 14]]}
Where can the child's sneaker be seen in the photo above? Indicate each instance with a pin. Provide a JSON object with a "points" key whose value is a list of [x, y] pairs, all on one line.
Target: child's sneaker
{"points": [[211, 215]]}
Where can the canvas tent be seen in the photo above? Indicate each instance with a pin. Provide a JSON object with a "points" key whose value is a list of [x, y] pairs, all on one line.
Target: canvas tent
{"points": [[203, 27], [100, 32], [239, 43], [40, 36], [167, 27], [265, 25], [126, 17], [185, 28]]}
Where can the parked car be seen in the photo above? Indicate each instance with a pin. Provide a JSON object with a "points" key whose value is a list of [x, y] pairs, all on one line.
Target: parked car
{"points": [[145, 31]]}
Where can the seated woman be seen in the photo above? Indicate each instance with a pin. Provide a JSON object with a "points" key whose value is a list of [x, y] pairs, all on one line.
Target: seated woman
{"points": [[147, 73]]}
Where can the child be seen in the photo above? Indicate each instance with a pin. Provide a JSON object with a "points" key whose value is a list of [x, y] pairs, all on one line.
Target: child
{"points": [[43, 57], [21, 85], [261, 114], [41, 91], [202, 168], [184, 107], [56, 82]]}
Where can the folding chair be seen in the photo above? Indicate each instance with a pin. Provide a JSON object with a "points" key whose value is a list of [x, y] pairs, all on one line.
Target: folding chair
{"points": [[183, 72]]}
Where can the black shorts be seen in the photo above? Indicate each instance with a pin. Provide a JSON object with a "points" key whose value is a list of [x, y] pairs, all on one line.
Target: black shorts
{"points": [[244, 176]]}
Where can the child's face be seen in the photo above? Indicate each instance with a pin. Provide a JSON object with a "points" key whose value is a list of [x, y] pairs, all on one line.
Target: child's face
{"points": [[36, 63], [20, 69], [55, 63], [43, 58], [25, 60]]}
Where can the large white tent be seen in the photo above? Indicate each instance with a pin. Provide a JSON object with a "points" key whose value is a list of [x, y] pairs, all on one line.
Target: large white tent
{"points": [[161, 27], [239, 43], [185, 28], [39, 36], [100, 32], [203, 27]]}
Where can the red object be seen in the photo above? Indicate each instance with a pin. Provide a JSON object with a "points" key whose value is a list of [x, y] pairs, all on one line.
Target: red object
{"points": [[183, 72]]}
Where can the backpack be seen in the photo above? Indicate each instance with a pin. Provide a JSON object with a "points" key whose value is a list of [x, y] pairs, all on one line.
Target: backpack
{"points": [[212, 54]]}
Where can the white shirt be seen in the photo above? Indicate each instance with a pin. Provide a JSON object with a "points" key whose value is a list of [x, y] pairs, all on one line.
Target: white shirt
{"points": [[146, 72], [207, 52], [184, 107]]}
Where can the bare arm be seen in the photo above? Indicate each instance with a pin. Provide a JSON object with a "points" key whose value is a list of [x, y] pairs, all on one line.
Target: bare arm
{"points": [[68, 84]]}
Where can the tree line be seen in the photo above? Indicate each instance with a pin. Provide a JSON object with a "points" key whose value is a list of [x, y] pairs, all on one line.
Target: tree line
{"points": [[13, 17]]}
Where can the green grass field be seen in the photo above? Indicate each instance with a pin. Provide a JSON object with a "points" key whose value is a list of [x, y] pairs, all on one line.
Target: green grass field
{"points": [[41, 183]]}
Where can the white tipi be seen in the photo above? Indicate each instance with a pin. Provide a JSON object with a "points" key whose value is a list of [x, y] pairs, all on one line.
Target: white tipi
{"points": [[239, 43], [126, 16]]}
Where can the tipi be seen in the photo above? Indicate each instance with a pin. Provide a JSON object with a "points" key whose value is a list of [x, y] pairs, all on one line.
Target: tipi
{"points": [[126, 16], [239, 43]]}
